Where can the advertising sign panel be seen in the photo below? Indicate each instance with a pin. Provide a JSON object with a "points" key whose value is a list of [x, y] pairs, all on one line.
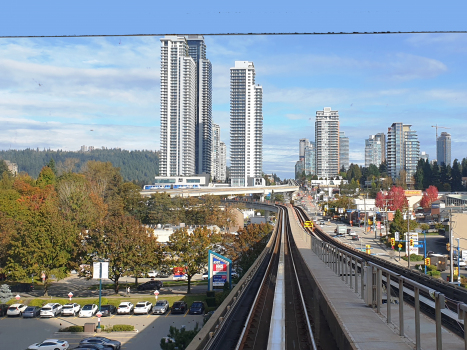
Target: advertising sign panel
{"points": [[219, 270]]}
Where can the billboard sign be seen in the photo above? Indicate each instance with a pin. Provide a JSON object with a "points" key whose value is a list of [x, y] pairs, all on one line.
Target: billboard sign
{"points": [[219, 271], [96, 270]]}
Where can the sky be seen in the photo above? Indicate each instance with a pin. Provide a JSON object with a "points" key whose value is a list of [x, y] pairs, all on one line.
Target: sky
{"points": [[61, 93]]}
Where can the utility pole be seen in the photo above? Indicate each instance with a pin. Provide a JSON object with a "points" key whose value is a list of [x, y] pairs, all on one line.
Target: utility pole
{"points": [[408, 238], [451, 265], [364, 204]]}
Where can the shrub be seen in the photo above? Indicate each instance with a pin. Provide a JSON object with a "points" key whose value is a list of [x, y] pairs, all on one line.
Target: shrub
{"points": [[210, 294], [72, 329], [211, 301], [434, 273], [123, 328]]}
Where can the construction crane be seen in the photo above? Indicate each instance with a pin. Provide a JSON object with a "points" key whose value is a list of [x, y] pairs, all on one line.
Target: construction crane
{"points": [[440, 127]]}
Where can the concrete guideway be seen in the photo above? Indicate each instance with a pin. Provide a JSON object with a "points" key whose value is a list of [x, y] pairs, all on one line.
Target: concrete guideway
{"points": [[221, 191], [361, 326]]}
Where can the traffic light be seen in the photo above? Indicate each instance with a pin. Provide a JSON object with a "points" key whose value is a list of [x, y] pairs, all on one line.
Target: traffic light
{"points": [[411, 242], [427, 261], [393, 242], [448, 247]]}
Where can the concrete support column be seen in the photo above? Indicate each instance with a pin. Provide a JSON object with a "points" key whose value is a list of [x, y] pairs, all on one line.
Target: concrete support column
{"points": [[266, 215]]}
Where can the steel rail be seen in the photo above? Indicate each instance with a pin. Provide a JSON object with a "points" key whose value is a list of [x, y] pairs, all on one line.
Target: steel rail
{"points": [[310, 331], [258, 293]]}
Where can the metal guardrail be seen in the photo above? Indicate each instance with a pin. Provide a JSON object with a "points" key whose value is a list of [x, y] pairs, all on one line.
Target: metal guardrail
{"points": [[347, 266]]}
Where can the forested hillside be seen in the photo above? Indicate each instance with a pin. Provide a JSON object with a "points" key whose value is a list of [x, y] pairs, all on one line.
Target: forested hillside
{"points": [[137, 166]]}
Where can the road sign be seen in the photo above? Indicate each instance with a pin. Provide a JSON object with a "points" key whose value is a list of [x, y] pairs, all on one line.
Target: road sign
{"points": [[396, 236], [17, 297], [399, 245], [97, 270], [70, 295], [99, 314], [420, 245]]}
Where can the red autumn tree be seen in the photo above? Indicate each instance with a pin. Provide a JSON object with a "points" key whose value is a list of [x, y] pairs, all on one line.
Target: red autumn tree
{"points": [[429, 196], [380, 200], [397, 199]]}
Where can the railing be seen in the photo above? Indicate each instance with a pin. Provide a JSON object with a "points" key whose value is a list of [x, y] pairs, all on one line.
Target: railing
{"points": [[357, 272]]}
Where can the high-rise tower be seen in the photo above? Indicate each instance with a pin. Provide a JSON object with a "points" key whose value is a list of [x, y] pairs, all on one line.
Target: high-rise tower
{"points": [[344, 159], [186, 106], [443, 149], [178, 108], [218, 162], [327, 143], [403, 151], [373, 152], [246, 126], [197, 51]]}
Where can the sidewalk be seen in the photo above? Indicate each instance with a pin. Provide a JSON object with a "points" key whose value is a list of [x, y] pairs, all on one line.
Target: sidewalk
{"points": [[371, 330]]}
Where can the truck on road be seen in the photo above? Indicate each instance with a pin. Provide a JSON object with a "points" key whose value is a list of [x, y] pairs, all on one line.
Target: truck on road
{"points": [[341, 230]]}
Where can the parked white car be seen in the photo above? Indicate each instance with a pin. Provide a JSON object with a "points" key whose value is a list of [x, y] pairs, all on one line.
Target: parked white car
{"points": [[51, 310], [152, 274], [71, 309], [50, 344], [16, 310], [143, 307], [88, 310], [125, 308]]}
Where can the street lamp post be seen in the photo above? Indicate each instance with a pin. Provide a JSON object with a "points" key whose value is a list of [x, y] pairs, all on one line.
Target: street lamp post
{"points": [[100, 296]]}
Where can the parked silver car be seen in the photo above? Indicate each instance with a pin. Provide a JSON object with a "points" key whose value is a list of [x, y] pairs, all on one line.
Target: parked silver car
{"points": [[108, 343], [32, 311], [161, 307]]}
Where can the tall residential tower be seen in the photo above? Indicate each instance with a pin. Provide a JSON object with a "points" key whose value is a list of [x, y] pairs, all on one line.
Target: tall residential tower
{"points": [[186, 106], [344, 158], [443, 149], [218, 162], [327, 143], [403, 151], [246, 126]]}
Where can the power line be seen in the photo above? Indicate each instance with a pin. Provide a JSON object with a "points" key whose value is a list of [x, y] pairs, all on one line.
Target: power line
{"points": [[233, 34]]}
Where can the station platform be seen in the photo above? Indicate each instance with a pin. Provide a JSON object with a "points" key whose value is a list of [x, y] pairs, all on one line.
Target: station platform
{"points": [[361, 326]]}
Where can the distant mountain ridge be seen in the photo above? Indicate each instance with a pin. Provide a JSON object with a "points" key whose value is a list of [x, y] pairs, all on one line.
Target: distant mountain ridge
{"points": [[137, 166]]}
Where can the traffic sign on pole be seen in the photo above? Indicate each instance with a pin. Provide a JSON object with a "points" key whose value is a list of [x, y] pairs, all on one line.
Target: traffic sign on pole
{"points": [[70, 295], [17, 297], [156, 293]]}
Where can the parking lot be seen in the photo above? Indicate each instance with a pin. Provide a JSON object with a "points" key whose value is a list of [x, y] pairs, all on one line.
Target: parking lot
{"points": [[19, 333]]}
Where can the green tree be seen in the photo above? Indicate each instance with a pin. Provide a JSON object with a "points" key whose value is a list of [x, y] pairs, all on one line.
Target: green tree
{"points": [[419, 175], [44, 241], [52, 166], [3, 167], [190, 250], [5, 293], [116, 240], [456, 176], [178, 339], [46, 177]]}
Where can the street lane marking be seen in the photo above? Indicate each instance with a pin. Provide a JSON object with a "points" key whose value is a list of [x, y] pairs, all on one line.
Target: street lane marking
{"points": [[186, 313], [112, 316], [168, 313]]}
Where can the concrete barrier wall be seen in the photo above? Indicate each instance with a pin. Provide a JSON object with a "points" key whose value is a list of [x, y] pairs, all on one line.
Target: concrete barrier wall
{"points": [[222, 311]]}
